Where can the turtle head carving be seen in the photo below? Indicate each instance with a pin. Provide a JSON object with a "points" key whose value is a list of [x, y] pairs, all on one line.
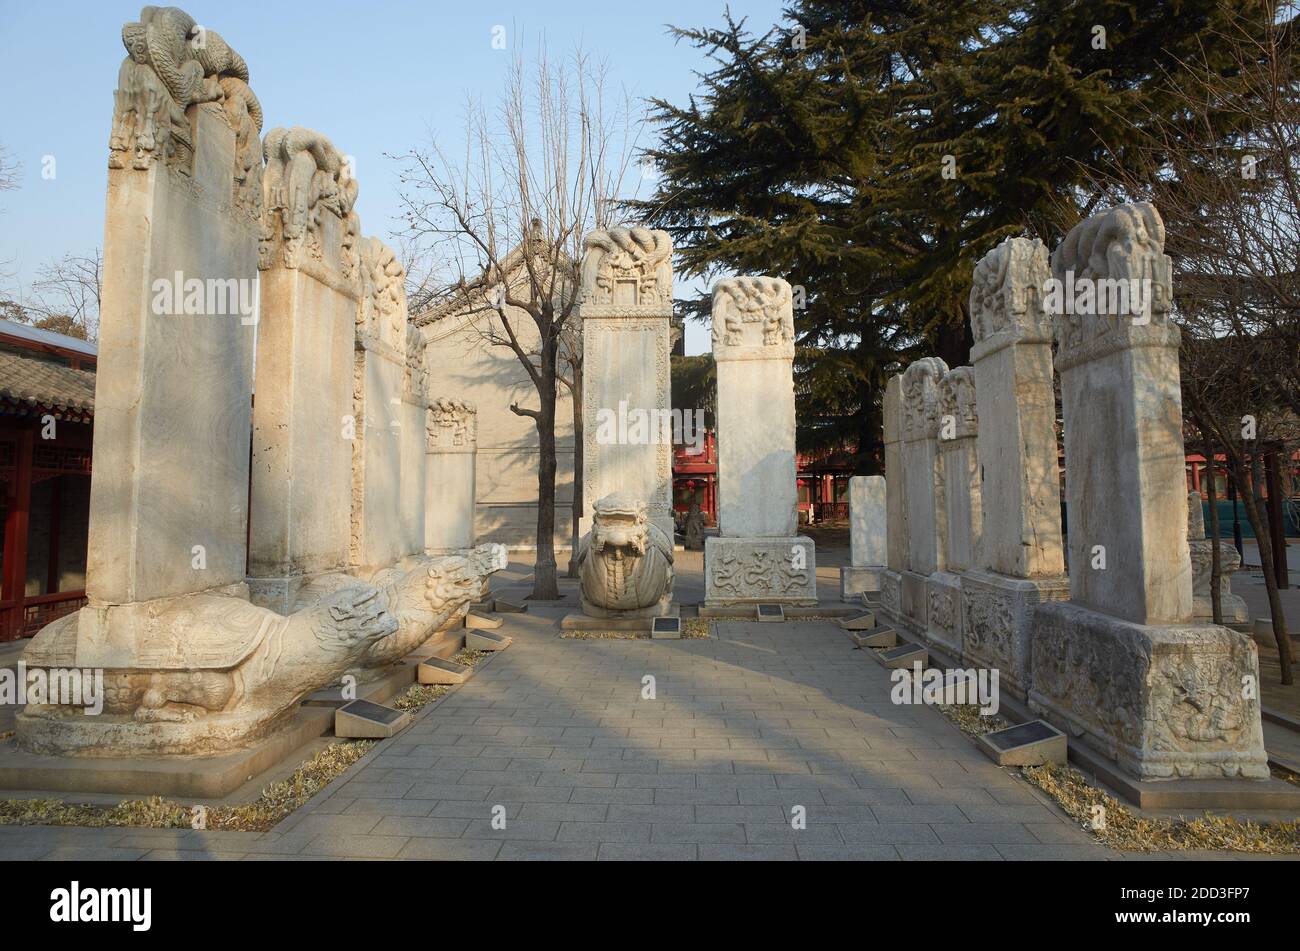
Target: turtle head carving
{"points": [[619, 524]]}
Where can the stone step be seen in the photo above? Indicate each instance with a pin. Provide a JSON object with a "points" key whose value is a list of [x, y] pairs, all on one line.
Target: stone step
{"points": [[436, 671], [475, 621], [863, 622], [876, 637], [904, 655], [476, 640]]}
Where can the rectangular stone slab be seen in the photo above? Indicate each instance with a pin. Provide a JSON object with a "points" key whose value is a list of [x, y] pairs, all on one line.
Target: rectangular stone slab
{"points": [[362, 719], [876, 637], [1028, 744], [481, 622], [486, 641], [770, 612], [435, 670], [904, 655], [863, 622], [666, 628]]}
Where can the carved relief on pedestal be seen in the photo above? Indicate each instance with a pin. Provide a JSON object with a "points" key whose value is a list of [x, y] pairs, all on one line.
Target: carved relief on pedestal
{"points": [[921, 398], [627, 267], [1165, 701], [1116, 258], [305, 179], [988, 625], [943, 607], [452, 425], [890, 594], [1006, 295], [753, 312], [172, 64], [756, 574]]}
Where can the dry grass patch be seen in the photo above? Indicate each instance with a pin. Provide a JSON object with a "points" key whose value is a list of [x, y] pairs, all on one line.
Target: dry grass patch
{"points": [[276, 801], [1121, 828], [971, 721]]}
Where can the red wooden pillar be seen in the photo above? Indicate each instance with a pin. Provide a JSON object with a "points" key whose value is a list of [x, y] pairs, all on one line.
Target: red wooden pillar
{"points": [[17, 523]]}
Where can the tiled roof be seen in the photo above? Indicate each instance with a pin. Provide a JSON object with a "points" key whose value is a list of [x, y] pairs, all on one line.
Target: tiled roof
{"points": [[32, 381]]}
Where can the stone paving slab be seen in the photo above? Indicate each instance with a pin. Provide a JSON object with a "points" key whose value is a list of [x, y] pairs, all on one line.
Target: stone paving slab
{"points": [[742, 728]]}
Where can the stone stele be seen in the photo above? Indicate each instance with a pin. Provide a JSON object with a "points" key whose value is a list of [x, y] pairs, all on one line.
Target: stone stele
{"points": [[867, 535], [1019, 561], [1121, 665], [310, 293], [758, 556], [626, 305]]}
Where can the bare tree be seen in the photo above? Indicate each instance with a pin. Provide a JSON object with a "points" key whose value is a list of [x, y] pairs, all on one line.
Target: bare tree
{"points": [[66, 295], [509, 214], [1223, 167], [10, 173]]}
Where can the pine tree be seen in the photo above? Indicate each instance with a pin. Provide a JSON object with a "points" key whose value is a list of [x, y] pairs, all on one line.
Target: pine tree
{"points": [[870, 152]]}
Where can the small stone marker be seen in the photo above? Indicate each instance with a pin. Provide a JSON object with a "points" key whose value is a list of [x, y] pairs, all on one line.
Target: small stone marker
{"points": [[1028, 744], [876, 637], [863, 622], [481, 622], [502, 606], [362, 719], [476, 640], [771, 612], [436, 670], [666, 628], [904, 655]]}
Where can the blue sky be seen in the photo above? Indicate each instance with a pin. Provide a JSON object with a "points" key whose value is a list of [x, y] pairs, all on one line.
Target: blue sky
{"points": [[376, 77]]}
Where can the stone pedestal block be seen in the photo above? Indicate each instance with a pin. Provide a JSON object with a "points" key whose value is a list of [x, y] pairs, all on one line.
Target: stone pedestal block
{"points": [[913, 613], [891, 596], [998, 622], [856, 580], [1164, 702], [753, 570], [943, 620]]}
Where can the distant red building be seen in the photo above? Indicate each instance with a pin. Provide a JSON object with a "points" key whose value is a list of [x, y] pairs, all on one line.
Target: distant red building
{"points": [[47, 401], [823, 483]]}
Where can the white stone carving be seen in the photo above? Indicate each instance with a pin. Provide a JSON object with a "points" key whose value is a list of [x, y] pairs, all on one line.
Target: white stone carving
{"points": [[1006, 294], [306, 180], [211, 673], [626, 267], [752, 312], [171, 65], [453, 425], [625, 563]]}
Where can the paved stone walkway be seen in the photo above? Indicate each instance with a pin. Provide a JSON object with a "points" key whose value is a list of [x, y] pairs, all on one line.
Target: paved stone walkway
{"points": [[744, 727]]}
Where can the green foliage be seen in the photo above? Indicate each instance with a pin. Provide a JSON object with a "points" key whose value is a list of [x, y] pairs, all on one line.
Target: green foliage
{"points": [[816, 151]]}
